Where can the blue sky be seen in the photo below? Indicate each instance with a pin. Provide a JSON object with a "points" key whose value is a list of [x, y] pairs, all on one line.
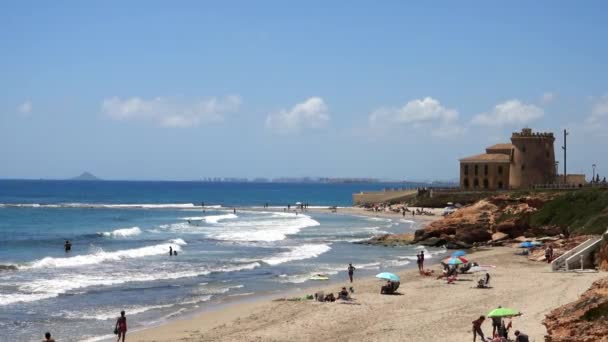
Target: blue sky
{"points": [[390, 89]]}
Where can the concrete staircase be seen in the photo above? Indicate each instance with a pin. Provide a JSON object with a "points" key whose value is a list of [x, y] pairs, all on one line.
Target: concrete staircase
{"points": [[579, 257]]}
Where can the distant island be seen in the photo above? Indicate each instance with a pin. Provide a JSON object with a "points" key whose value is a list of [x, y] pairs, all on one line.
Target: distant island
{"points": [[86, 176]]}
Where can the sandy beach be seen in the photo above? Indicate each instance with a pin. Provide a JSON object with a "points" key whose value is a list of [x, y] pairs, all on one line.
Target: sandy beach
{"points": [[427, 309]]}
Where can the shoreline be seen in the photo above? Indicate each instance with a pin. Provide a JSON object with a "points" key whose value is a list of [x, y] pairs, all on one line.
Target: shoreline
{"points": [[295, 288], [425, 305]]}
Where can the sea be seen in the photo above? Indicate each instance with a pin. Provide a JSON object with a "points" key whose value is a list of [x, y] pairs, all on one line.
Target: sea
{"points": [[229, 248]]}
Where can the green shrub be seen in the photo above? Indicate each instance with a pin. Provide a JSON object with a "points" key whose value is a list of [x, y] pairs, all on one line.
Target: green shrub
{"points": [[581, 211]]}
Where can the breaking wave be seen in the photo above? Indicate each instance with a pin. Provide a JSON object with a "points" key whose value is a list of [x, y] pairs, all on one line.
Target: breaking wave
{"points": [[297, 253], [123, 232], [101, 256]]}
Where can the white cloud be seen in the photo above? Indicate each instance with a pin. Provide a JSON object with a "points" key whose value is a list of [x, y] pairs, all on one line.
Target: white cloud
{"points": [[170, 111], [508, 113], [417, 113], [312, 113], [547, 98], [25, 108]]}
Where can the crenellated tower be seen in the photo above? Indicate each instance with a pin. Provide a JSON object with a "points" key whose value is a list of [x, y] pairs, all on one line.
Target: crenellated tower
{"points": [[533, 159]]}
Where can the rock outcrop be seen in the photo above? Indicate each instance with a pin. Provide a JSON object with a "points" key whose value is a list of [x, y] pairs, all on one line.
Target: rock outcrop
{"points": [[389, 240], [585, 320], [489, 221]]}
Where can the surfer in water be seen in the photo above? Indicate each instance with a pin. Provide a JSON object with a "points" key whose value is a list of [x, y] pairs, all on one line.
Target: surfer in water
{"points": [[67, 246]]}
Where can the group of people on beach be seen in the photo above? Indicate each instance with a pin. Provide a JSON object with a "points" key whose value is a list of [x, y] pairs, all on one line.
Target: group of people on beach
{"points": [[500, 331]]}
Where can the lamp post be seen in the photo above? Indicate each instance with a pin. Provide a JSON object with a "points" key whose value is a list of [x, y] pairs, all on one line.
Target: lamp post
{"points": [[593, 177]]}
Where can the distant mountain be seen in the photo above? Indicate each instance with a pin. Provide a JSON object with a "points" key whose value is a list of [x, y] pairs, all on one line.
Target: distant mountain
{"points": [[86, 176]]}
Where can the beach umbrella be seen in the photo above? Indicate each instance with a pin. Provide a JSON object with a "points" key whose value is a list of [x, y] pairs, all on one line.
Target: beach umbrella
{"points": [[504, 312], [455, 261], [459, 253], [388, 276], [528, 244]]}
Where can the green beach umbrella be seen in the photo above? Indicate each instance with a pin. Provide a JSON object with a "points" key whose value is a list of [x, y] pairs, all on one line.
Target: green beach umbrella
{"points": [[504, 312]]}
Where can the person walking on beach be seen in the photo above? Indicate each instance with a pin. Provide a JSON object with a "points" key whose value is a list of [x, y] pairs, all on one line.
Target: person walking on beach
{"points": [[418, 262], [477, 329], [121, 327], [351, 271], [48, 338], [549, 254]]}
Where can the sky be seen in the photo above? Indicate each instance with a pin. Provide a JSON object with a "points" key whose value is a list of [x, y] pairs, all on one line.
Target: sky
{"points": [[181, 90]]}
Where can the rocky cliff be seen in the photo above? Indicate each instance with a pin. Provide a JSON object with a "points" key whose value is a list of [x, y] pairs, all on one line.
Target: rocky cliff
{"points": [[585, 320], [491, 220]]}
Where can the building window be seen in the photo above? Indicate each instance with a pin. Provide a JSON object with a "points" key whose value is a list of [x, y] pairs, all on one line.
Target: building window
{"points": [[466, 183], [485, 169], [476, 170], [500, 185], [500, 169], [476, 183], [466, 170], [485, 183]]}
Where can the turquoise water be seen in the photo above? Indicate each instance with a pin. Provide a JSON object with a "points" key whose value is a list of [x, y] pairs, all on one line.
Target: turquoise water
{"points": [[121, 233]]}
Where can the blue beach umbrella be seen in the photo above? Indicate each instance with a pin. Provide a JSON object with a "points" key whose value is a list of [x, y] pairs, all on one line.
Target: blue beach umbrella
{"points": [[528, 244], [388, 276], [459, 254]]}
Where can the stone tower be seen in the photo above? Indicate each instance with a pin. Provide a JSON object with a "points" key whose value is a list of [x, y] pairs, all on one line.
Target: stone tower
{"points": [[533, 159]]}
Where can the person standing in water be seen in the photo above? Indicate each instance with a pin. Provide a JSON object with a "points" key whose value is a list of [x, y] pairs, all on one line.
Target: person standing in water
{"points": [[67, 246], [170, 251], [351, 271], [121, 326], [422, 260]]}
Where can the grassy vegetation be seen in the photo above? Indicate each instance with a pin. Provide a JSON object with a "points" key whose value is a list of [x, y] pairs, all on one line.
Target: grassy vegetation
{"points": [[581, 211]]}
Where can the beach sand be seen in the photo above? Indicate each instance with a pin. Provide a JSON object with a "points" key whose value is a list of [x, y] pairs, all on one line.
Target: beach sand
{"points": [[427, 309]]}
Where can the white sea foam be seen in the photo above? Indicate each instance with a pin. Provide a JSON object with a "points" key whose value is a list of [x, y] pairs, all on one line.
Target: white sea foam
{"points": [[275, 228], [123, 232], [40, 289], [211, 218], [103, 315], [102, 256], [297, 253], [369, 266]]}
